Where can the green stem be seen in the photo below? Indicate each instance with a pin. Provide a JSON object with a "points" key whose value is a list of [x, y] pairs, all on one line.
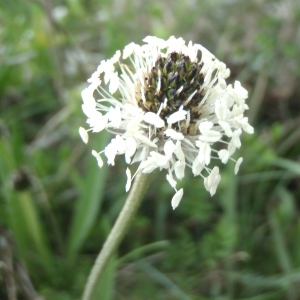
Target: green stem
{"points": [[116, 235]]}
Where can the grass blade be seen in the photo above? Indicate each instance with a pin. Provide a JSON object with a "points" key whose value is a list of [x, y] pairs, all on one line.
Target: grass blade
{"points": [[88, 204]]}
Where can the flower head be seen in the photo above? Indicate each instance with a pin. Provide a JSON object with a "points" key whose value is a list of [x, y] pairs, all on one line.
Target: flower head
{"points": [[169, 107]]}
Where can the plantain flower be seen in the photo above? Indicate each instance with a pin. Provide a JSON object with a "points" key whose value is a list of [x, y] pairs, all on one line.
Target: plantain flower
{"points": [[168, 107]]}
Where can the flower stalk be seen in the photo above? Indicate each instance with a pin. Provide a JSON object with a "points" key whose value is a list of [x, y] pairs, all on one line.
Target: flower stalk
{"points": [[116, 235]]}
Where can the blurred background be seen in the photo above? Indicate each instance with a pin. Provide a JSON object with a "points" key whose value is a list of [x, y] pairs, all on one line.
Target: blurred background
{"points": [[57, 206]]}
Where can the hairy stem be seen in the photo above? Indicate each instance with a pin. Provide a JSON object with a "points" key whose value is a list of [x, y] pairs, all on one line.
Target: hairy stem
{"points": [[117, 234]]}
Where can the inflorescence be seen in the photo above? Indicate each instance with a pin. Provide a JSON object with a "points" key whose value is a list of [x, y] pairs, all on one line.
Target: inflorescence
{"points": [[169, 107]]}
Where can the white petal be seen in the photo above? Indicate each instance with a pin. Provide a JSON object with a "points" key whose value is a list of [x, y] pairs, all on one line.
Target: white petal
{"points": [[114, 115], [213, 174], [171, 181], [87, 96], [108, 69], [224, 155], [169, 148], [205, 126], [240, 90], [84, 135], [154, 161], [139, 155], [129, 49], [210, 136], [204, 152], [178, 151], [221, 109], [177, 116], [212, 181], [197, 167], [89, 109], [101, 124], [110, 152], [98, 157], [145, 140], [221, 66], [153, 40], [177, 198], [226, 127], [116, 57], [130, 148], [215, 184], [159, 159], [134, 124], [226, 73], [236, 138], [206, 184], [154, 119], [237, 165], [205, 53], [148, 166], [179, 167], [128, 183], [222, 83], [173, 134], [246, 126], [114, 83], [119, 144]]}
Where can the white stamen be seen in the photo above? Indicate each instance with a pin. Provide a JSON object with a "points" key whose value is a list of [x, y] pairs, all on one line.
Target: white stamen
{"points": [[98, 157], [177, 198], [177, 116], [84, 135], [128, 183], [174, 134], [154, 119], [237, 165]]}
